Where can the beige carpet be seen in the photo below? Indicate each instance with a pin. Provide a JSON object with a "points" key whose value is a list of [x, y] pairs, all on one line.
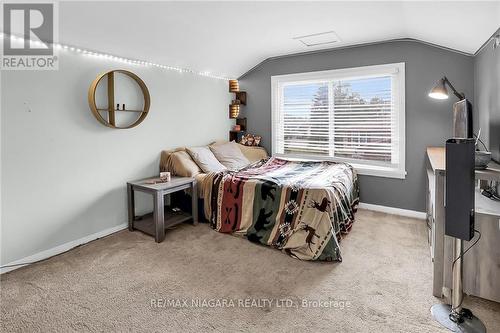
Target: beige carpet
{"points": [[108, 285]]}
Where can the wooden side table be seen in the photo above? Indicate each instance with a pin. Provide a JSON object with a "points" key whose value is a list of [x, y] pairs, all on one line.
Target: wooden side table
{"points": [[163, 217]]}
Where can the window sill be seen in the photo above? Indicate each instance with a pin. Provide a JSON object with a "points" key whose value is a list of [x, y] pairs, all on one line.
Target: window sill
{"points": [[379, 171], [361, 169]]}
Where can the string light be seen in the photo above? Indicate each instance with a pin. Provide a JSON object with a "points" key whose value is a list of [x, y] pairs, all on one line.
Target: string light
{"points": [[119, 59]]}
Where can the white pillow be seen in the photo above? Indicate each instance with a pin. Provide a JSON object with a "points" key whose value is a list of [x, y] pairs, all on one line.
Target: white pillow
{"points": [[205, 159], [230, 155]]}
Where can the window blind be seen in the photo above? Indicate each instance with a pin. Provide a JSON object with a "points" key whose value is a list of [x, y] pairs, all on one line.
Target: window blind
{"points": [[306, 125], [363, 119], [345, 117]]}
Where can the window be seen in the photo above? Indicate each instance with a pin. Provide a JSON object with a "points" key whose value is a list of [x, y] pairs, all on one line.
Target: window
{"points": [[354, 115]]}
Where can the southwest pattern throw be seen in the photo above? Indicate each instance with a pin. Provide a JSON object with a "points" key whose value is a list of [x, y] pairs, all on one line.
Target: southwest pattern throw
{"points": [[302, 208]]}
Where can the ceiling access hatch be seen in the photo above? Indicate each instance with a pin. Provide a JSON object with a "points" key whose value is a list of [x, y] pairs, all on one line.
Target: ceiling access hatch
{"points": [[321, 38]]}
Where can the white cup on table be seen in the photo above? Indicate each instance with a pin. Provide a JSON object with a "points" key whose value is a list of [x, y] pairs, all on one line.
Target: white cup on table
{"points": [[165, 176]]}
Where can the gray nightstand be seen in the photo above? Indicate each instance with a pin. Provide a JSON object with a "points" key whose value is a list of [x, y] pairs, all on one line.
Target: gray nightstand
{"points": [[155, 223]]}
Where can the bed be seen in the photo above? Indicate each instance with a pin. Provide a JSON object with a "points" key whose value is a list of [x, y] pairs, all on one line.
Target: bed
{"points": [[300, 207]]}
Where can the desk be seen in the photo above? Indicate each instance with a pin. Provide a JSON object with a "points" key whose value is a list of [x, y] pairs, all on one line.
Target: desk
{"points": [[481, 265]]}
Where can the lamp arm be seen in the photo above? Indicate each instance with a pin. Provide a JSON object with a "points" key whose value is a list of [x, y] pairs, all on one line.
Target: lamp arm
{"points": [[460, 96]]}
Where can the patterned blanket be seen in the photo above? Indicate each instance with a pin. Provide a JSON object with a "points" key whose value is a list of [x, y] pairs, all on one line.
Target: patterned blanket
{"points": [[301, 207]]}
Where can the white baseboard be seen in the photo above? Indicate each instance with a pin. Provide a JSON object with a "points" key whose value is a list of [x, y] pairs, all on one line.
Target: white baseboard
{"points": [[396, 211], [62, 248]]}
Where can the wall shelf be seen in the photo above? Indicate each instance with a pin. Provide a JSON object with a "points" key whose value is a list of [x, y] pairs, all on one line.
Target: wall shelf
{"points": [[106, 110], [109, 119]]}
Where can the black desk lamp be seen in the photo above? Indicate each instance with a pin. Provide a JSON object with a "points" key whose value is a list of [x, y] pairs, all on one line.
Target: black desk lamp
{"points": [[462, 110], [459, 201], [440, 92]]}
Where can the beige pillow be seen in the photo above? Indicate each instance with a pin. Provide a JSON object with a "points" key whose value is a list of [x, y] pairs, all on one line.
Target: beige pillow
{"points": [[165, 159], [253, 153], [178, 162], [183, 165], [230, 155], [205, 159]]}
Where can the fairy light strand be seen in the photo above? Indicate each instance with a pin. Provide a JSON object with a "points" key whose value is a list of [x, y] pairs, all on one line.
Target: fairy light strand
{"points": [[108, 56]]}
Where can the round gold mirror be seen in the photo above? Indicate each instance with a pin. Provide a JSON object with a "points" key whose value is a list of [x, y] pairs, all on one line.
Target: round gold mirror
{"points": [[110, 120]]}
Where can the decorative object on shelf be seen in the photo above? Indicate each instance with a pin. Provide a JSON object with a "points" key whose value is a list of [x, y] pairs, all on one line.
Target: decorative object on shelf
{"points": [[236, 135], [234, 109], [234, 86], [250, 140], [482, 159], [111, 121]]}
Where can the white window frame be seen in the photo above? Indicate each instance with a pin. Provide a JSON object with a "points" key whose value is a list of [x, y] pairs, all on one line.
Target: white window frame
{"points": [[398, 89]]}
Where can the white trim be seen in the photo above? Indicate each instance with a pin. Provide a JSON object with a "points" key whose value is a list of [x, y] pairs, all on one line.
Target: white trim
{"points": [[370, 168], [63, 248], [342, 73], [395, 211]]}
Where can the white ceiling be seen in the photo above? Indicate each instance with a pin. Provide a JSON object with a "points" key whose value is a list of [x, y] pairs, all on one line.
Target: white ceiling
{"points": [[229, 38]]}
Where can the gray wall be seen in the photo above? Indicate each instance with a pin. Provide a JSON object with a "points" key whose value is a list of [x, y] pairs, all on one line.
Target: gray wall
{"points": [[487, 96], [428, 122], [63, 173]]}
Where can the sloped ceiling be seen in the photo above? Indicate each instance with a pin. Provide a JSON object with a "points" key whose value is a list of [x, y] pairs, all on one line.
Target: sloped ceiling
{"points": [[229, 38]]}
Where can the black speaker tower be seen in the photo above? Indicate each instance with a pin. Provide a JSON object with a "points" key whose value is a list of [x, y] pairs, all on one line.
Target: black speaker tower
{"points": [[459, 197]]}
